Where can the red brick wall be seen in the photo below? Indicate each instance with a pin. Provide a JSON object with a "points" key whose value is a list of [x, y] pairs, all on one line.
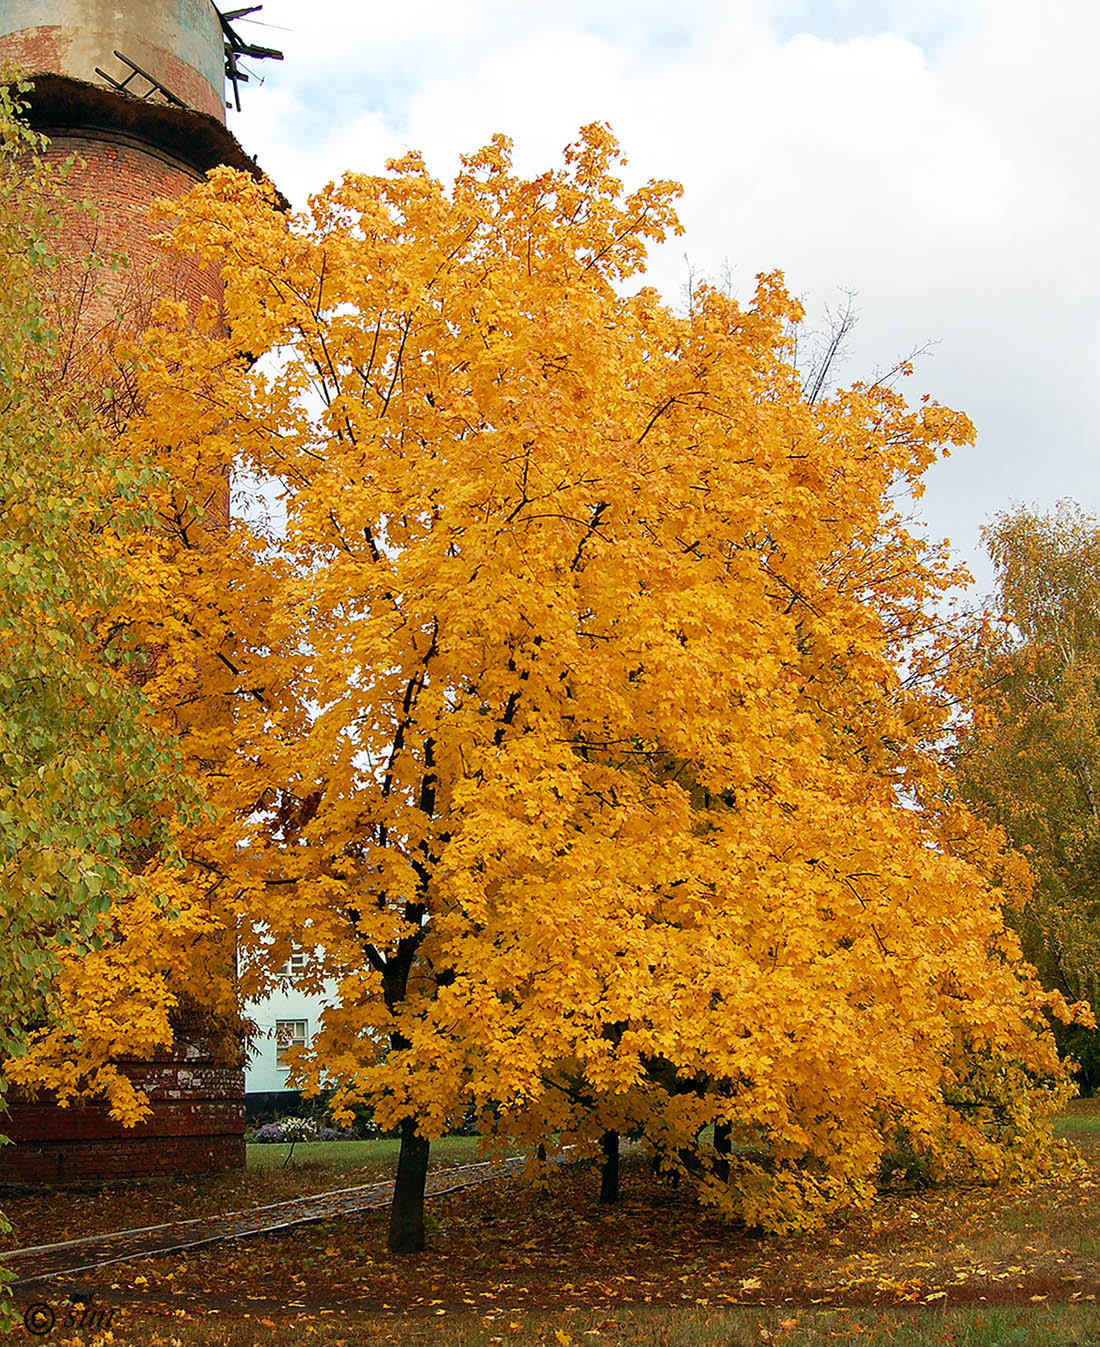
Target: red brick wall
{"points": [[92, 1164], [122, 178], [197, 1126]]}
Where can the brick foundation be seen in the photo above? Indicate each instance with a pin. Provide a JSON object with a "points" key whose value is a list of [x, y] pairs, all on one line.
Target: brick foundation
{"points": [[197, 1127]]}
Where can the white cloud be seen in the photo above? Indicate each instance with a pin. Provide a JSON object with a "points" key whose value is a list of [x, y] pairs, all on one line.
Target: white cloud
{"points": [[935, 156]]}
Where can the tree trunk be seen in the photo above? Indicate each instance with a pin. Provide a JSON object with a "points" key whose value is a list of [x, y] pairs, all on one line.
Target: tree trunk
{"points": [[722, 1151], [609, 1176], [407, 1206]]}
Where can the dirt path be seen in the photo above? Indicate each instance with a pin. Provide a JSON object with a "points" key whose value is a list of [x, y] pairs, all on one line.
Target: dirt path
{"points": [[45, 1261]]}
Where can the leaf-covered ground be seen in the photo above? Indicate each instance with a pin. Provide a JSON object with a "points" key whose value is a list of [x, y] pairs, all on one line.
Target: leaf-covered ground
{"points": [[315, 1167], [509, 1254]]}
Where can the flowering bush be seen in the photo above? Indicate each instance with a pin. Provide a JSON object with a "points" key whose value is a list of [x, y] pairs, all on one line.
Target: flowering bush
{"points": [[299, 1129], [269, 1133]]}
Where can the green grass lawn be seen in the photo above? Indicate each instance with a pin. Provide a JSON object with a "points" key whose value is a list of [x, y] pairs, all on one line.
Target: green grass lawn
{"points": [[375, 1158], [1081, 1118]]}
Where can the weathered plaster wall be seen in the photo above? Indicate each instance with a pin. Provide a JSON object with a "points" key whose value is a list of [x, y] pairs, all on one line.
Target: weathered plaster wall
{"points": [[177, 41]]}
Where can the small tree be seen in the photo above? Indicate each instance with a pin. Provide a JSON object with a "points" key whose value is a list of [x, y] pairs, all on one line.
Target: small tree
{"points": [[1031, 760], [569, 728], [88, 788]]}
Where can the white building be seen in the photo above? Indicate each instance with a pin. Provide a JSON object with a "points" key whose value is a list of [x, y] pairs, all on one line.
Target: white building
{"points": [[286, 1018]]}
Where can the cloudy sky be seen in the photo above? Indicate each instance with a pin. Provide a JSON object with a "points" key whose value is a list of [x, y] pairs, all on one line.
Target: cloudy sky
{"points": [[937, 158]]}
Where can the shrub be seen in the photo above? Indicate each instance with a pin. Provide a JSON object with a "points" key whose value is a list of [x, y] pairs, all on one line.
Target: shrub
{"points": [[300, 1129]]}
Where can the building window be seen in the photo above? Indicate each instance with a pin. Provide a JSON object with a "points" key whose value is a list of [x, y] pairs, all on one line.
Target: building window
{"points": [[294, 965], [288, 1034]]}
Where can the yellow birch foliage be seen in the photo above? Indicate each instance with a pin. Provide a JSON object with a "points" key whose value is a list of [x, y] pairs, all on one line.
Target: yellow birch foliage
{"points": [[1029, 760], [569, 734]]}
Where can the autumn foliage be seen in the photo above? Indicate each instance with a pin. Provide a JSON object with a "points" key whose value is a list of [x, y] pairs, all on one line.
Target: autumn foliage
{"points": [[1029, 759], [585, 695], [89, 784]]}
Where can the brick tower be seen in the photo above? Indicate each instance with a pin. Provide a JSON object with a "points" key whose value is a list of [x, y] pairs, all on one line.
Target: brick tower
{"points": [[136, 89]]}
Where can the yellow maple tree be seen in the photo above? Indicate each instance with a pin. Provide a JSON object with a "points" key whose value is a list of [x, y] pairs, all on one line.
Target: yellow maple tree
{"points": [[585, 696]]}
